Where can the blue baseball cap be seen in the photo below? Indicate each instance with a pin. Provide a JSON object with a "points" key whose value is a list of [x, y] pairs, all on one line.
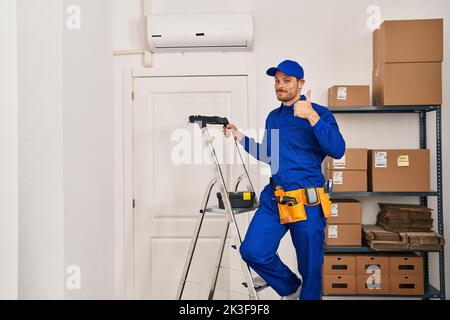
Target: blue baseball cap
{"points": [[289, 67]]}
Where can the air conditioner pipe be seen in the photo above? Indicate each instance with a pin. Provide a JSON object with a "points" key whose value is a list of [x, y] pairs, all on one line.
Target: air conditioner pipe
{"points": [[148, 58]]}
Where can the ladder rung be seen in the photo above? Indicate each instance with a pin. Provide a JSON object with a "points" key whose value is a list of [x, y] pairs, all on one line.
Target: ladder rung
{"points": [[217, 288], [230, 268], [232, 291], [197, 283], [258, 282], [216, 209]]}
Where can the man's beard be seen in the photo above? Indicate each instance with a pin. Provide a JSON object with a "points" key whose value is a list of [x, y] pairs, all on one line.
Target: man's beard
{"points": [[285, 98]]}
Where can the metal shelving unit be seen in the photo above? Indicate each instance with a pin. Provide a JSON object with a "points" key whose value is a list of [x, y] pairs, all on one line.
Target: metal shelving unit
{"points": [[357, 249], [421, 111], [431, 293], [342, 195]]}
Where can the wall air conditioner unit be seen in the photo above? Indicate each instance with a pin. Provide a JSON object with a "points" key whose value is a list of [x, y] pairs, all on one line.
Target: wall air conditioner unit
{"points": [[200, 32]]}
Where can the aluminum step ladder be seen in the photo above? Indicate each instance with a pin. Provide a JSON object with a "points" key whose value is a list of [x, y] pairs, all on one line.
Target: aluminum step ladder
{"points": [[253, 284]]}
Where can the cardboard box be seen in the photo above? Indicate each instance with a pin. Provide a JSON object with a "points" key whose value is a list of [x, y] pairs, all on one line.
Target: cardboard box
{"points": [[364, 262], [405, 217], [377, 233], [406, 285], [404, 51], [348, 180], [353, 159], [409, 41], [337, 284], [399, 170], [343, 235], [424, 241], [348, 96], [397, 84], [406, 265], [345, 212], [339, 264], [373, 284]]}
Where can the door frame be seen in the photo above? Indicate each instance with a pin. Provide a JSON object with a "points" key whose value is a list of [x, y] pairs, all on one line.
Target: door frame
{"points": [[124, 220]]}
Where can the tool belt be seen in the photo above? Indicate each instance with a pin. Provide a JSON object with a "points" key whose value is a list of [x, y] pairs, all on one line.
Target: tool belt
{"points": [[291, 204]]}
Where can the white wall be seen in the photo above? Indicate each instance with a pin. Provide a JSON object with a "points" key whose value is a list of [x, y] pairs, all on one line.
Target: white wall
{"points": [[66, 150], [9, 183], [329, 38], [40, 143], [88, 150]]}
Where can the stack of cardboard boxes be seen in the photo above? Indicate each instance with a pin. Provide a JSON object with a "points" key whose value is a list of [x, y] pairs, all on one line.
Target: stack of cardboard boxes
{"points": [[348, 173], [339, 274], [380, 239], [406, 274], [380, 170], [407, 70], [407, 67], [407, 62], [423, 241], [344, 226], [373, 274], [405, 217]]}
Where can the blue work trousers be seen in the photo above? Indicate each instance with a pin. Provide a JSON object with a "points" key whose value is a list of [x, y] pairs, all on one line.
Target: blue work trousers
{"points": [[259, 248]]}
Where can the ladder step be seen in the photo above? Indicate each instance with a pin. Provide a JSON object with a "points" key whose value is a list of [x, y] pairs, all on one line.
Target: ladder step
{"points": [[258, 282], [216, 209]]}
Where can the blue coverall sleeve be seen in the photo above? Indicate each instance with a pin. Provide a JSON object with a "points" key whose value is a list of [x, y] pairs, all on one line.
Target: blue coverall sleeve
{"points": [[259, 151], [330, 138]]}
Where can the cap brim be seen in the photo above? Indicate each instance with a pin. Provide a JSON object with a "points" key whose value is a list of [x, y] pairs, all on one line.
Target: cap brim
{"points": [[272, 71]]}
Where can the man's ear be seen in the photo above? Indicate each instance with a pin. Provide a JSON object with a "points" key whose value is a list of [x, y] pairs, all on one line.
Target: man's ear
{"points": [[301, 83]]}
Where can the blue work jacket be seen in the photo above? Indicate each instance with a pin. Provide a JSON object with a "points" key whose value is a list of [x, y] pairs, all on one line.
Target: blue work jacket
{"points": [[294, 149]]}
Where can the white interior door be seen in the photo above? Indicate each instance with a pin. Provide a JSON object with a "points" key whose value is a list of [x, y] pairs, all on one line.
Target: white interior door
{"points": [[169, 181]]}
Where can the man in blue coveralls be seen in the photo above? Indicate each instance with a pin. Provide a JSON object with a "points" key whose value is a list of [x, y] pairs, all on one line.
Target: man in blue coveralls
{"points": [[307, 133]]}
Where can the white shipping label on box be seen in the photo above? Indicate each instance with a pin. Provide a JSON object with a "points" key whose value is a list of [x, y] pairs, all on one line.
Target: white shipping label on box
{"points": [[381, 159], [341, 93], [332, 232], [338, 177], [403, 161], [339, 163], [334, 210]]}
